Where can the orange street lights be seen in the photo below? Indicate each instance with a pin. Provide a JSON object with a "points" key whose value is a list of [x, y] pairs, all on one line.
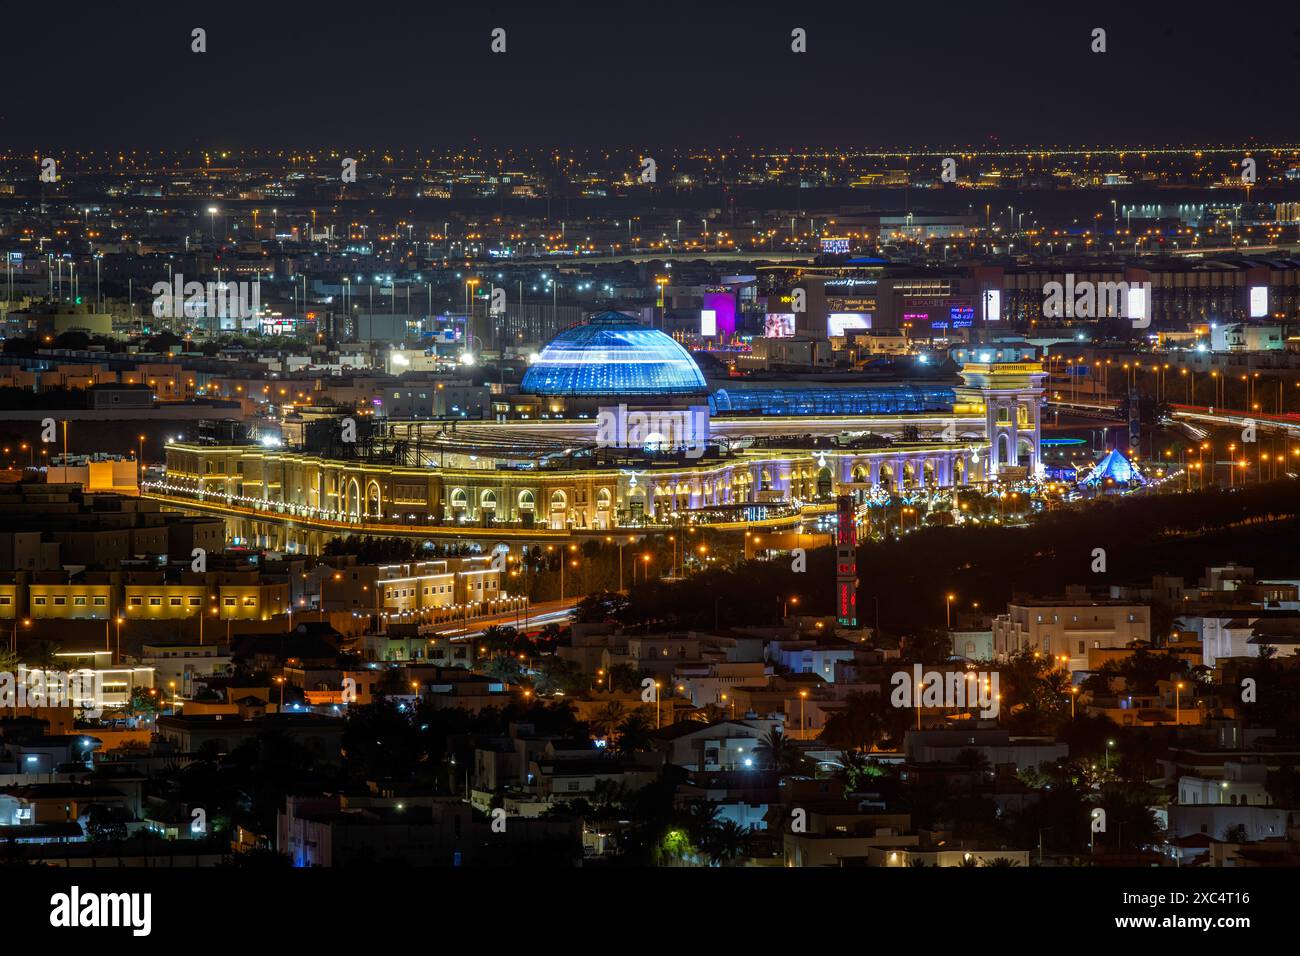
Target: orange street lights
{"points": [[13, 641], [1074, 692], [280, 681], [947, 606], [1178, 703], [803, 732]]}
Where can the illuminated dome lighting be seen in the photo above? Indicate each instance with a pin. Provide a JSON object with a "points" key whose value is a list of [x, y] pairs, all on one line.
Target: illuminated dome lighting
{"points": [[613, 354]]}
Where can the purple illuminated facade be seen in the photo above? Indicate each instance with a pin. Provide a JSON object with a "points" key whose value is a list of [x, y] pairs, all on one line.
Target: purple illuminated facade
{"points": [[723, 305]]}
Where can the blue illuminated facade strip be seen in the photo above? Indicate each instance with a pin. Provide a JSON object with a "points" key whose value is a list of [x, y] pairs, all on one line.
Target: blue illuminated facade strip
{"points": [[811, 400]]}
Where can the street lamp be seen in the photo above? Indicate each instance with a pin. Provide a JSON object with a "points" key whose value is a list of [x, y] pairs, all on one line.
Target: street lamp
{"points": [[948, 608], [1109, 744], [13, 643], [803, 696], [1178, 703]]}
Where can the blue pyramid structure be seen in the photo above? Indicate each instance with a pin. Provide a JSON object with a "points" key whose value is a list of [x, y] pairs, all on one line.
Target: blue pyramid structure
{"points": [[1115, 467]]}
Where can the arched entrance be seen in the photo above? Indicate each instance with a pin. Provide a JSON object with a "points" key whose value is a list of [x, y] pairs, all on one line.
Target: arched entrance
{"points": [[559, 509], [352, 502], [825, 483], [527, 508], [459, 503]]}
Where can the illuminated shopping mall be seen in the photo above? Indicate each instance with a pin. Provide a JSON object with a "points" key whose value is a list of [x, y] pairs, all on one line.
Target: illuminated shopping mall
{"points": [[638, 440]]}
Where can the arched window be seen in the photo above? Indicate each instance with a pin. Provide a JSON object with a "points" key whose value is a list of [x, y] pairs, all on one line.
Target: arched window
{"points": [[459, 499]]}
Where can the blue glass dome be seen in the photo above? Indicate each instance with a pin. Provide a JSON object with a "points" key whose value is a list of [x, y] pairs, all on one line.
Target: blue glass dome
{"points": [[612, 354]]}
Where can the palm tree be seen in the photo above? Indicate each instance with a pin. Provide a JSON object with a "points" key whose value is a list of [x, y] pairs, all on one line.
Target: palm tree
{"points": [[633, 734], [504, 668], [725, 842], [606, 720], [860, 724], [701, 819], [856, 768], [710, 713], [774, 751], [46, 655], [1001, 861]]}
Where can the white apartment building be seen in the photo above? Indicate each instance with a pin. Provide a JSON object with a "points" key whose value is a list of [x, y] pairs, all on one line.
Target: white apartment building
{"points": [[1070, 626], [1242, 784]]}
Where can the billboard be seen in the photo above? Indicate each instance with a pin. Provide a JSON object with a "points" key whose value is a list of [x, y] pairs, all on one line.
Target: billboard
{"points": [[1258, 301], [1136, 303], [708, 322], [837, 323], [992, 305], [779, 325]]}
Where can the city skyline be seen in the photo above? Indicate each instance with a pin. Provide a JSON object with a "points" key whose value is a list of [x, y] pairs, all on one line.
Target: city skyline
{"points": [[585, 443]]}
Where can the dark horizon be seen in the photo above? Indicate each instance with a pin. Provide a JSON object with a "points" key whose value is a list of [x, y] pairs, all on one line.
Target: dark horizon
{"points": [[673, 75]]}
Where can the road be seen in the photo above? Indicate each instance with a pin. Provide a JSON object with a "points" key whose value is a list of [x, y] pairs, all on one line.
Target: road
{"points": [[547, 612]]}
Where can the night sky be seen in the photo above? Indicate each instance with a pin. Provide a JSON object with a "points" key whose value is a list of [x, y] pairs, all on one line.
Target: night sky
{"points": [[349, 75]]}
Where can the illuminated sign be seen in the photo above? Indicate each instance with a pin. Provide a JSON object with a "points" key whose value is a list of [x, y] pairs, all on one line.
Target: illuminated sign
{"points": [[837, 323], [708, 322], [962, 316], [992, 305], [835, 246], [779, 325], [1258, 301], [846, 562], [279, 325], [1137, 301]]}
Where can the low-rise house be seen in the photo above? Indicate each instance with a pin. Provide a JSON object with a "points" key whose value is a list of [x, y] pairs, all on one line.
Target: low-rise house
{"points": [[997, 746], [721, 745]]}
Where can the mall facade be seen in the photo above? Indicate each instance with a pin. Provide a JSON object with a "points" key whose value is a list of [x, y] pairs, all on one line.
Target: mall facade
{"points": [[643, 444]]}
